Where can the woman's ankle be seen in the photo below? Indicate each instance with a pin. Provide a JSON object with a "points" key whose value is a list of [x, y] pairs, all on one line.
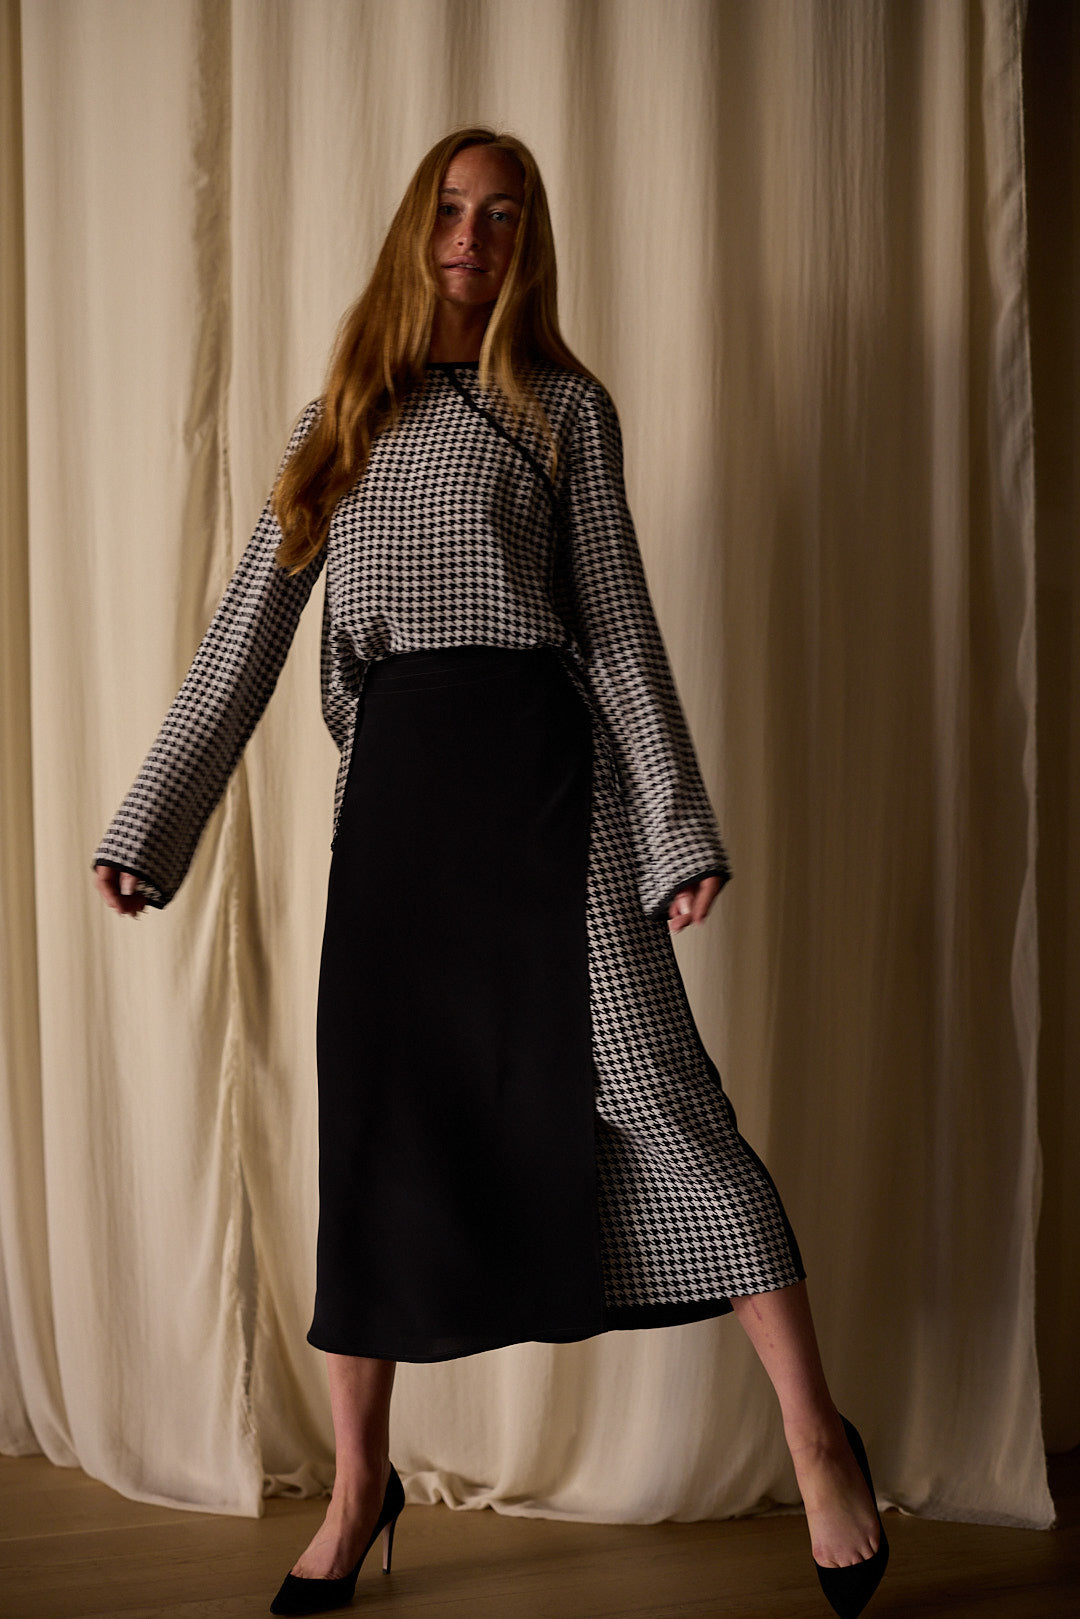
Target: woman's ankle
{"points": [[361, 1477], [820, 1429]]}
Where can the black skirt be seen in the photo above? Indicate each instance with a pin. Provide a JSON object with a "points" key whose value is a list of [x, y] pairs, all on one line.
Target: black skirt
{"points": [[457, 1163]]}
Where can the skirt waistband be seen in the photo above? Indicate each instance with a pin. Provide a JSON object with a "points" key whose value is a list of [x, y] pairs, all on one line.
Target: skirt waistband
{"points": [[404, 671]]}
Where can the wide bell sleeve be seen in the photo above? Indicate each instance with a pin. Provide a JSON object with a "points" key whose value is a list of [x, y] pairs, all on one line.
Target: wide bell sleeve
{"points": [[155, 831], [612, 618]]}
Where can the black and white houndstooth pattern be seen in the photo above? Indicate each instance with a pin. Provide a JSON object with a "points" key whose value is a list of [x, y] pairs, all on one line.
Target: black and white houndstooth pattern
{"points": [[687, 1211], [455, 536]]}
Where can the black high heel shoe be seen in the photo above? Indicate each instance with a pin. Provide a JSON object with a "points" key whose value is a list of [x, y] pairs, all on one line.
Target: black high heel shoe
{"points": [[301, 1595], [848, 1590]]}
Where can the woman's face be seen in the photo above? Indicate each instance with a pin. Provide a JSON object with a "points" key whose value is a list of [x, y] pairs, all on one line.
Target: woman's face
{"points": [[476, 221]]}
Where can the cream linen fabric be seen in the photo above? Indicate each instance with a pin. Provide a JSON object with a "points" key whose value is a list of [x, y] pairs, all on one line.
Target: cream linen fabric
{"points": [[791, 242]]}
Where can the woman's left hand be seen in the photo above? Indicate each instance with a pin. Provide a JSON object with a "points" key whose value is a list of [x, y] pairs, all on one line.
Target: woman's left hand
{"points": [[691, 904]]}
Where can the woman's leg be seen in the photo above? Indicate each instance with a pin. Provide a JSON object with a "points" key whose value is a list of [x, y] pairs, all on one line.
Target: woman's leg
{"points": [[840, 1515], [360, 1392]]}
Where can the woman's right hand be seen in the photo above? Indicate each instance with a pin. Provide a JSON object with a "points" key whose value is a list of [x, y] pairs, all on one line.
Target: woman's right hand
{"points": [[117, 888]]}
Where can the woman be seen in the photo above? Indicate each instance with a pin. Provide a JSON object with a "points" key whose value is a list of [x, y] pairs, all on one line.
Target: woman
{"points": [[521, 1136]]}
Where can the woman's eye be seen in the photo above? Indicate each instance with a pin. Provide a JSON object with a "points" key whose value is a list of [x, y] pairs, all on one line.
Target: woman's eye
{"points": [[496, 213]]}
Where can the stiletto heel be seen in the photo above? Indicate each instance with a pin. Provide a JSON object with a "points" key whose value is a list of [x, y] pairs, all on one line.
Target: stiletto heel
{"points": [[848, 1590], [301, 1595]]}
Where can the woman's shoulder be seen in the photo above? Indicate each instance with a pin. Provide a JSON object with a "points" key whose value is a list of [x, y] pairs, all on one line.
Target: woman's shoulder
{"points": [[301, 428], [572, 392], [307, 418], [589, 415], [567, 375]]}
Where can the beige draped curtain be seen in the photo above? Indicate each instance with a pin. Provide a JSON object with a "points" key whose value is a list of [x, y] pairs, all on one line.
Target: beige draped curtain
{"points": [[792, 243]]}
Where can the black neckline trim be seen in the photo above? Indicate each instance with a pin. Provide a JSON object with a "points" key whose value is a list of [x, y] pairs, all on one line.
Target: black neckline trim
{"points": [[449, 365], [515, 444]]}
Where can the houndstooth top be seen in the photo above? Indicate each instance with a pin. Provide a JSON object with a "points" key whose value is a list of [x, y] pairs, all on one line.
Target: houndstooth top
{"points": [[454, 535]]}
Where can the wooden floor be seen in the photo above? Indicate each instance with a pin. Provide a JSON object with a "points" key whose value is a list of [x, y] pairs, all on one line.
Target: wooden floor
{"points": [[71, 1548]]}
